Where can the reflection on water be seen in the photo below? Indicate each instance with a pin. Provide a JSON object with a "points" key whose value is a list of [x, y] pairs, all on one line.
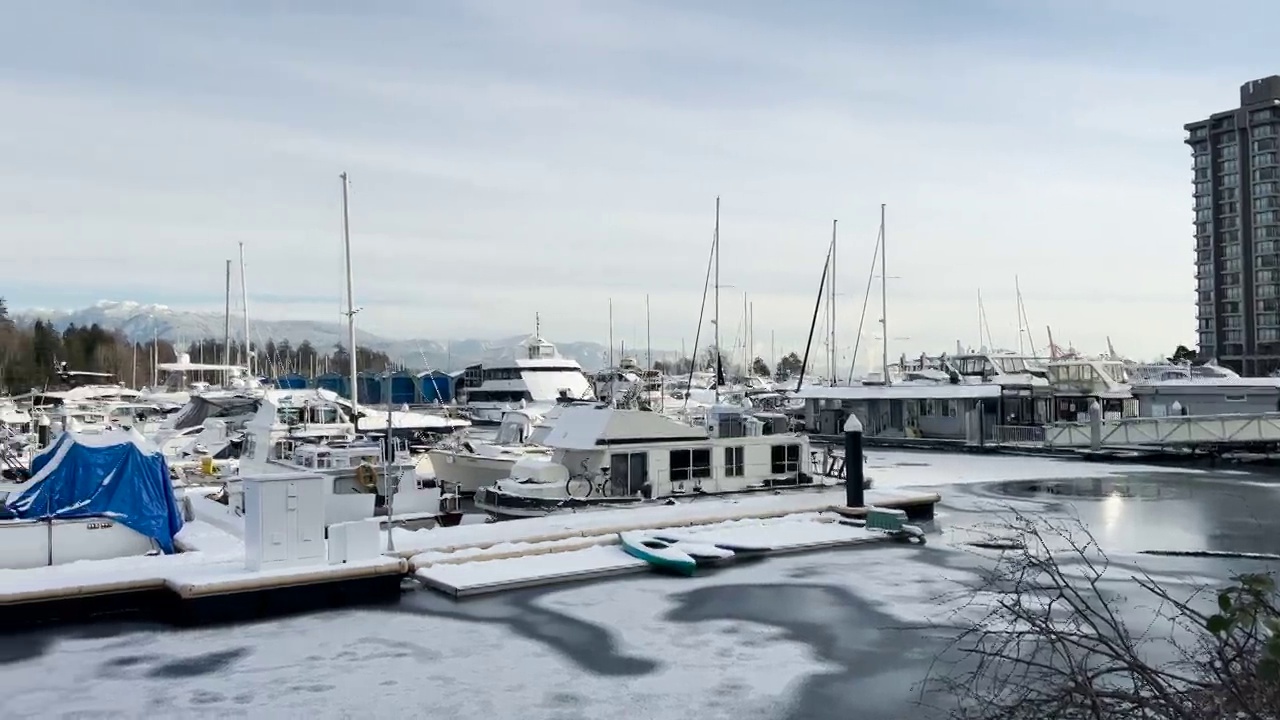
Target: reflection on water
{"points": [[1157, 511]]}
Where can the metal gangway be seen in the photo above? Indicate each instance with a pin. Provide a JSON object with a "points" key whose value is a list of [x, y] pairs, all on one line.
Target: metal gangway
{"points": [[1175, 431]]}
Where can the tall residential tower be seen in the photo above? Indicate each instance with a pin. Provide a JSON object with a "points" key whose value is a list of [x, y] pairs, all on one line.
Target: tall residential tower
{"points": [[1236, 167]]}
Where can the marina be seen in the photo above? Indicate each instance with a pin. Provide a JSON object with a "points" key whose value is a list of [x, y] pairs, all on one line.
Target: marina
{"points": [[468, 362], [218, 575]]}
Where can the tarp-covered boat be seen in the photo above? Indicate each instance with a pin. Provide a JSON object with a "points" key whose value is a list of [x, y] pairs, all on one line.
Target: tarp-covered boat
{"points": [[115, 474]]}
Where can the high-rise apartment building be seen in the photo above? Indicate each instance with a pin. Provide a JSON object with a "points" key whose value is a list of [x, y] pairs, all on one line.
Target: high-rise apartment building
{"points": [[1236, 175]]}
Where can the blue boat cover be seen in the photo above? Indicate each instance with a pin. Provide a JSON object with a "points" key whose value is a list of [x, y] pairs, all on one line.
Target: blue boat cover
{"points": [[116, 474]]}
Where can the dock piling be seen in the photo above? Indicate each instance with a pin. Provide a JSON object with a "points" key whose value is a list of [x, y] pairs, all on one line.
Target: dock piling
{"points": [[854, 469]]}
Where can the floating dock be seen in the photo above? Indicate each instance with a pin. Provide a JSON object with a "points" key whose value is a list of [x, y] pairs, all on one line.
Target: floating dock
{"points": [[507, 567], [208, 581]]}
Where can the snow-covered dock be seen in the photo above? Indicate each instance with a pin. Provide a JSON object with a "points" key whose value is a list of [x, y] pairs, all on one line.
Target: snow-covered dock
{"points": [[509, 566], [206, 582]]}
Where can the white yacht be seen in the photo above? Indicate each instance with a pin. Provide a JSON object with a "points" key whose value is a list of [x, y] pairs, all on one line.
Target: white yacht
{"points": [[607, 457], [305, 431], [178, 384], [471, 463], [538, 379]]}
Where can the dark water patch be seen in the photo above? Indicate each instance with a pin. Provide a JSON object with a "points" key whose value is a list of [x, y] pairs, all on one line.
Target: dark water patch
{"points": [[879, 662], [23, 646], [592, 647], [197, 665], [1093, 489]]}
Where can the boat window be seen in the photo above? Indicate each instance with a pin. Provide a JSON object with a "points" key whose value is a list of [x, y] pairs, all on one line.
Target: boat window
{"points": [[690, 464], [323, 461], [628, 473], [1235, 398], [733, 466], [785, 459]]}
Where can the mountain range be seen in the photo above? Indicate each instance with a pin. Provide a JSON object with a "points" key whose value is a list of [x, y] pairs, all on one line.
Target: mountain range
{"points": [[140, 322]]}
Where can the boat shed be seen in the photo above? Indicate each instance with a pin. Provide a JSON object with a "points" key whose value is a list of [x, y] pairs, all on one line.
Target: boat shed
{"points": [[336, 383], [906, 410], [290, 381], [437, 386]]}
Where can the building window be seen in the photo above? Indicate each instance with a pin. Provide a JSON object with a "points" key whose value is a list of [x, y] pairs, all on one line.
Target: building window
{"points": [[1262, 115], [1266, 144], [1264, 159], [1269, 232], [1232, 265], [733, 465], [1231, 250], [1231, 293], [1228, 150], [1268, 335], [690, 464], [785, 459], [1265, 188], [1266, 173], [1228, 208], [1262, 131]]}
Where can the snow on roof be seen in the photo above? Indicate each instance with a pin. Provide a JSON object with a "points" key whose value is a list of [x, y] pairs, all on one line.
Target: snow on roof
{"points": [[585, 427], [903, 391]]}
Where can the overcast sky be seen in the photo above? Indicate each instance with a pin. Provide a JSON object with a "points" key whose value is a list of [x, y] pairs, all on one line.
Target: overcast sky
{"points": [[513, 156]]}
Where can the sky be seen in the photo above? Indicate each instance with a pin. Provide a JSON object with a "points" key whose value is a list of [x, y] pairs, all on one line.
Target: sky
{"points": [[513, 157]]}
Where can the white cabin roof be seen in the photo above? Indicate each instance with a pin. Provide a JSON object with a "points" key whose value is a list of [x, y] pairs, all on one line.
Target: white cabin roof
{"points": [[587, 428], [903, 391]]}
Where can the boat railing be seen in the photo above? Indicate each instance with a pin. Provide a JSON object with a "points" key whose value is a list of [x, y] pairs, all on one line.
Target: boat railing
{"points": [[691, 481], [1016, 434]]}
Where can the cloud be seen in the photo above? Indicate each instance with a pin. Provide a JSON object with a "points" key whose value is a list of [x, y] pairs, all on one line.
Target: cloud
{"points": [[508, 158]]}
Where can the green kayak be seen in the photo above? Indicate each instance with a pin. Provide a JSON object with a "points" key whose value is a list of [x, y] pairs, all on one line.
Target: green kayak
{"points": [[661, 554]]}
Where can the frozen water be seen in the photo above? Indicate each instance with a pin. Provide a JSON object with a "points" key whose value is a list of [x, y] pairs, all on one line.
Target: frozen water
{"points": [[839, 634]]}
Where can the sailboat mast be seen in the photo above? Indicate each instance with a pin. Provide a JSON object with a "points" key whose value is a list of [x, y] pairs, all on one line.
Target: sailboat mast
{"points": [[884, 296], [612, 372], [831, 340], [226, 322], [244, 301], [648, 336], [716, 320], [351, 310]]}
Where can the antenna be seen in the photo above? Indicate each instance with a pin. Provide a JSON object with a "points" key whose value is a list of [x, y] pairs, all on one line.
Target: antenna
{"points": [[537, 324]]}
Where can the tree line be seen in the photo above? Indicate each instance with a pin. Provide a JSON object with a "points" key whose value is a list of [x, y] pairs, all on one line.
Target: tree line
{"points": [[31, 357], [787, 366]]}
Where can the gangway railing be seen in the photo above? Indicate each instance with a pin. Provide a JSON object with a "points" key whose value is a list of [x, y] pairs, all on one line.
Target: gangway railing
{"points": [[1177, 430]]}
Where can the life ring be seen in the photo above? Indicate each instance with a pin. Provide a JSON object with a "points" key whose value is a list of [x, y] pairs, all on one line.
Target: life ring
{"points": [[367, 476]]}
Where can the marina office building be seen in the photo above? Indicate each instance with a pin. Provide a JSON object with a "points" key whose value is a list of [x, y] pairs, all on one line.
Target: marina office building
{"points": [[1236, 180]]}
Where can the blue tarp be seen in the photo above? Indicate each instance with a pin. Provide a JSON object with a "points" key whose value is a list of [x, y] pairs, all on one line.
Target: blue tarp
{"points": [[113, 474]]}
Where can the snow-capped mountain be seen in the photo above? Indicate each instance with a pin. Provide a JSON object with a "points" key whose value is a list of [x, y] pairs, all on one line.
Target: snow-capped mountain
{"points": [[140, 322]]}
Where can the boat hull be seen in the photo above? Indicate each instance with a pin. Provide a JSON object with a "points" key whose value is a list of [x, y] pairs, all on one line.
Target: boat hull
{"points": [[470, 472], [503, 505]]}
